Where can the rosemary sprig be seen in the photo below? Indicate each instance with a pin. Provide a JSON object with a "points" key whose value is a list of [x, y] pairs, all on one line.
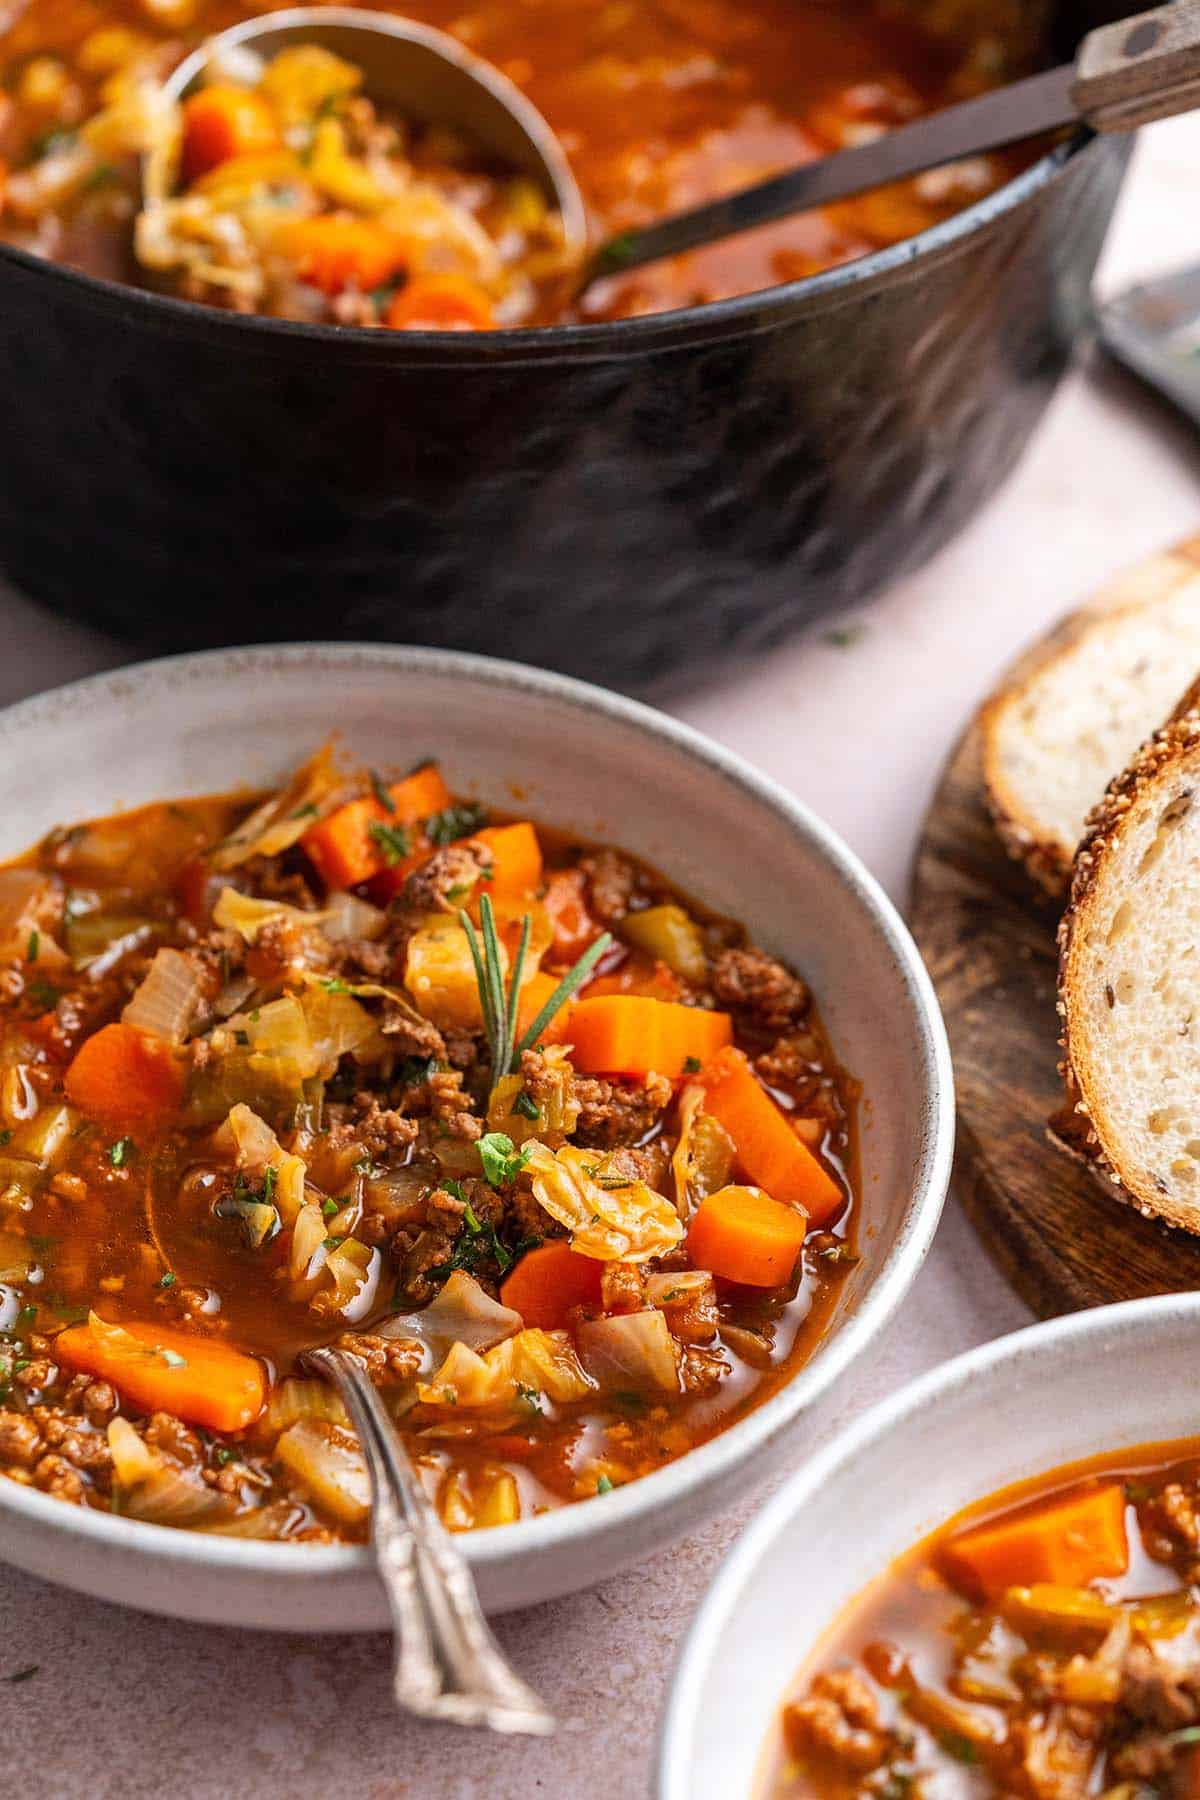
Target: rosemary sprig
{"points": [[500, 1009]]}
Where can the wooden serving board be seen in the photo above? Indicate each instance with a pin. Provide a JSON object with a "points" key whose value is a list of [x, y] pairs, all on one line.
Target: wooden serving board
{"points": [[987, 934]]}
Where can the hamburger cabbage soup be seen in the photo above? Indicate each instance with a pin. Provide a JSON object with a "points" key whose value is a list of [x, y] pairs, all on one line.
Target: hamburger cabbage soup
{"points": [[563, 1158], [297, 198], [1043, 1645]]}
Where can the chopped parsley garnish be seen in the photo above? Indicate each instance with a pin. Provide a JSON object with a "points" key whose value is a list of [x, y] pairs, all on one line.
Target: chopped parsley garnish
{"points": [[455, 822], [470, 1220], [223, 1455], [167, 1280], [459, 891], [328, 1208], [304, 812], [31, 948], [604, 1485], [502, 1161], [270, 1177], [26, 1317], [959, 1747], [43, 994], [527, 1106], [364, 1166], [119, 1153], [335, 985], [380, 792], [839, 1253], [333, 1243], [529, 1396], [691, 1065], [415, 1071], [395, 841]]}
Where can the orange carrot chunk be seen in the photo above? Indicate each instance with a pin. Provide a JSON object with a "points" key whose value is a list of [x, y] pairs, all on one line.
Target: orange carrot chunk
{"points": [[630, 1034], [516, 860], [534, 994], [161, 1370], [441, 303], [334, 251], [1070, 1540], [549, 1281], [345, 850], [223, 121], [743, 1235], [124, 1077], [768, 1151]]}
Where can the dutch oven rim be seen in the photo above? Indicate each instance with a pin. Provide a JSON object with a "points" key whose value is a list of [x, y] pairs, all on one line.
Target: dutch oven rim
{"points": [[744, 315]]}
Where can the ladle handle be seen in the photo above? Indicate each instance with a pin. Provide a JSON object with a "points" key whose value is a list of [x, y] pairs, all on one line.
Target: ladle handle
{"points": [[448, 1665], [1140, 69]]}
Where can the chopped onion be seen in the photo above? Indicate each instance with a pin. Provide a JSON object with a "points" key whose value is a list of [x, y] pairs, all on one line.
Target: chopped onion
{"points": [[164, 1005], [296, 1399], [16, 1257], [463, 1313], [354, 1270], [308, 1237], [633, 1350], [157, 1489], [329, 1465], [348, 918]]}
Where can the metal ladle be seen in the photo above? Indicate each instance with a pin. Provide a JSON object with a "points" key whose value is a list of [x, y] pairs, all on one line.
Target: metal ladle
{"points": [[423, 75]]}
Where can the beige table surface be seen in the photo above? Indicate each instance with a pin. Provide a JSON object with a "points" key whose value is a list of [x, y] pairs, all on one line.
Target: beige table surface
{"points": [[131, 1706]]}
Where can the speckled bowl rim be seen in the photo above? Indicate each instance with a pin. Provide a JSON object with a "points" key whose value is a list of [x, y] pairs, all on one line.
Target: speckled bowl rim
{"points": [[570, 1525], [1033, 1347]]}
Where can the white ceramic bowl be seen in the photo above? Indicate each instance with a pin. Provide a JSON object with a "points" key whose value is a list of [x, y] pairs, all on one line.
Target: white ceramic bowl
{"points": [[609, 769], [1070, 1388]]}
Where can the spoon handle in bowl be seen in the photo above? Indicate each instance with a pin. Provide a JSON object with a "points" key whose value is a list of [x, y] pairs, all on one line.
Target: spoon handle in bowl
{"points": [[448, 1665], [1140, 69]]}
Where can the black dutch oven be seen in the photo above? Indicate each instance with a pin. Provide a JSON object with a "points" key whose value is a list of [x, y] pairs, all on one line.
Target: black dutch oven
{"points": [[629, 501]]}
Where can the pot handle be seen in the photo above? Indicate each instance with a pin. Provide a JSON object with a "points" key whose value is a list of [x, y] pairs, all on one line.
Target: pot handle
{"points": [[1140, 69]]}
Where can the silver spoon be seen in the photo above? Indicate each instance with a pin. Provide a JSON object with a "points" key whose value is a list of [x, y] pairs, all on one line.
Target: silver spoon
{"points": [[422, 73], [447, 1663]]}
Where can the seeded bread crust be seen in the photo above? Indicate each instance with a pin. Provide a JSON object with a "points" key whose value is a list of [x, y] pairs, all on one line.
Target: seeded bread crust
{"points": [[1047, 857], [1085, 1127]]}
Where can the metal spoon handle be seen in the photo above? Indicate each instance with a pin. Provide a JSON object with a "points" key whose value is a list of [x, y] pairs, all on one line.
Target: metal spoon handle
{"points": [[448, 1665]]}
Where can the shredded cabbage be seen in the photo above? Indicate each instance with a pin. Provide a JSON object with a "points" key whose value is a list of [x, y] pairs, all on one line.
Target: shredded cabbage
{"points": [[282, 820], [258, 1149], [244, 914], [631, 1350], [462, 1313], [704, 1155], [528, 1364], [609, 1217]]}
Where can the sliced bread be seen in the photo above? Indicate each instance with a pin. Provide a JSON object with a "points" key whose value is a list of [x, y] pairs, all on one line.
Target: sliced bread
{"points": [[1129, 982], [1076, 710]]}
